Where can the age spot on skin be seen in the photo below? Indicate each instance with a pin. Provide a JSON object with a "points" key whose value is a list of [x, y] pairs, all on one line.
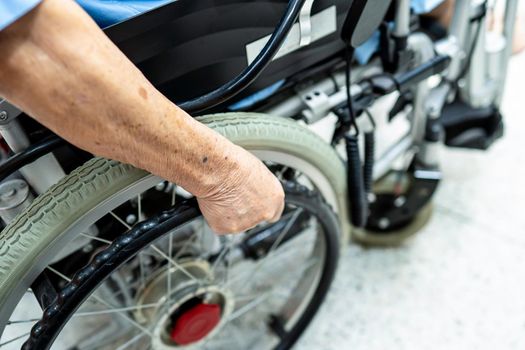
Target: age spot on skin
{"points": [[143, 93], [205, 159]]}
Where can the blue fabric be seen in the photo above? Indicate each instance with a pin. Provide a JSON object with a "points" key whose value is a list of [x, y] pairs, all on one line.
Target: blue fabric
{"points": [[11, 10], [257, 97], [104, 12], [108, 12], [364, 53]]}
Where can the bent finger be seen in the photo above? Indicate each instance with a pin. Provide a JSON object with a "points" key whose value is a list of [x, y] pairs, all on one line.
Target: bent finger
{"points": [[278, 213]]}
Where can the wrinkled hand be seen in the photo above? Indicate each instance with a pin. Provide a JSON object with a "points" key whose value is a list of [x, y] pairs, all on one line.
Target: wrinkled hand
{"points": [[247, 196]]}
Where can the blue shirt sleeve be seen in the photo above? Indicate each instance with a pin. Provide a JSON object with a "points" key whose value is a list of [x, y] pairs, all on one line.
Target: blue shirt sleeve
{"points": [[106, 13], [11, 10], [425, 6]]}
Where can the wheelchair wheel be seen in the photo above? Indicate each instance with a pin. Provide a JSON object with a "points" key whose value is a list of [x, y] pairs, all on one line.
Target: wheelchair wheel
{"points": [[216, 284]]}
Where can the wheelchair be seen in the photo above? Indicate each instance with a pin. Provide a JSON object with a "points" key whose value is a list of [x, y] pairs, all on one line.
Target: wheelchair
{"points": [[95, 254]]}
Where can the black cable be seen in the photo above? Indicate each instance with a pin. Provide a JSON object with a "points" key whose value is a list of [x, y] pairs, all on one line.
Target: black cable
{"points": [[246, 77], [349, 57], [369, 163], [355, 181], [369, 152], [370, 118]]}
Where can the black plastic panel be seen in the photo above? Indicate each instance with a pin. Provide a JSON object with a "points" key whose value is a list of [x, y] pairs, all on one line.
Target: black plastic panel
{"points": [[190, 47]]}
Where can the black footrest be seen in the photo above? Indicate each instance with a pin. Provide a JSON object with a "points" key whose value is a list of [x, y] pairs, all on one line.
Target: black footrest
{"points": [[468, 127]]}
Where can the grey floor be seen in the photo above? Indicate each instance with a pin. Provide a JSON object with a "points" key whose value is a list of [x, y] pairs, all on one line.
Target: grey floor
{"points": [[459, 284]]}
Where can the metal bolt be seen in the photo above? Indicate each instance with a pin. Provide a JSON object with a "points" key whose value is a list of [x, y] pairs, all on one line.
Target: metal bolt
{"points": [[3, 115], [131, 219], [383, 223], [400, 201]]}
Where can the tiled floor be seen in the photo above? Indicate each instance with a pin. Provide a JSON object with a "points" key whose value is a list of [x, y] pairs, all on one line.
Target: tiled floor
{"points": [[460, 284]]}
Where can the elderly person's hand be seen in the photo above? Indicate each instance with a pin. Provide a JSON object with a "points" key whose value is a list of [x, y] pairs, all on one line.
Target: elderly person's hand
{"points": [[61, 69], [248, 196]]}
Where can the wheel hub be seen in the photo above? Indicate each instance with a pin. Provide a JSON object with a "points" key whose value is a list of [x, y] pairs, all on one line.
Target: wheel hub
{"points": [[196, 323], [190, 311]]}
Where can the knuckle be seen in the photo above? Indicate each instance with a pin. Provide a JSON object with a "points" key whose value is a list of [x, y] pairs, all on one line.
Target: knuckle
{"points": [[234, 228], [267, 216]]}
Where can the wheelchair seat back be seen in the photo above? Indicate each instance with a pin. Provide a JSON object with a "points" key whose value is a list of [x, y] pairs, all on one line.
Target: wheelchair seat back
{"points": [[187, 48]]}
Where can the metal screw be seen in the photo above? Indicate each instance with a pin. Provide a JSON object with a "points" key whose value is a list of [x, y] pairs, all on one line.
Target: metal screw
{"points": [[384, 223], [131, 219], [160, 186], [400, 201], [3, 115]]}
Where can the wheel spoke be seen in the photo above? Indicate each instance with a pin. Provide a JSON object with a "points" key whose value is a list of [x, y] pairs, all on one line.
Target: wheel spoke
{"points": [[280, 174], [175, 264], [279, 239], [170, 253], [15, 339], [140, 216], [120, 220], [287, 249], [159, 251], [96, 313], [186, 244], [251, 305], [173, 195], [95, 238], [31, 320], [141, 270], [112, 311], [222, 255], [135, 339], [59, 274], [95, 297]]}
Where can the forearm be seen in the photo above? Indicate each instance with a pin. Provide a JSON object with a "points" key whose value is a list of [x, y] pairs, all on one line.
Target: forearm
{"points": [[60, 68]]}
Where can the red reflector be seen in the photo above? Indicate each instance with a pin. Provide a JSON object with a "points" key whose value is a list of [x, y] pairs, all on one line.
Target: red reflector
{"points": [[196, 323]]}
